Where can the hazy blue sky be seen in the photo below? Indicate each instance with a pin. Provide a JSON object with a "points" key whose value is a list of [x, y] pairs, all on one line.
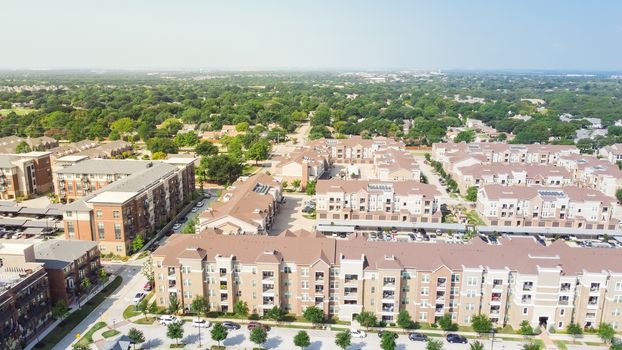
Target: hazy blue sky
{"points": [[317, 34]]}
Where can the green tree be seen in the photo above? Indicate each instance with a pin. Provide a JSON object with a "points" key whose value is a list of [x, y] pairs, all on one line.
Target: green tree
{"points": [[476, 345], [190, 226], [206, 149], [85, 284], [241, 127], [471, 194], [615, 346], [302, 340], [296, 184], [446, 323], [175, 331], [343, 339], [158, 156], [465, 136], [122, 126], [173, 304], [199, 305], [161, 144], [172, 126], [276, 314], [619, 195], [532, 346], [259, 335], [153, 308], [606, 332], [366, 319], [310, 189], [223, 169], [434, 344], [80, 346], [138, 243], [102, 275], [240, 308], [22, 147], [218, 332], [404, 320], [574, 330], [388, 341], [60, 310], [313, 314], [136, 336], [143, 307], [481, 324], [525, 328], [147, 270], [259, 150]]}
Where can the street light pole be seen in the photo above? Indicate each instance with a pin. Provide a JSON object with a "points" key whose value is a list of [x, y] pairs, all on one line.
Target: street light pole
{"points": [[492, 342]]}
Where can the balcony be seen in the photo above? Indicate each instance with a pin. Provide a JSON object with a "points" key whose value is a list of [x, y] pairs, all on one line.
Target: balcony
{"points": [[388, 296], [495, 311], [592, 301], [268, 277], [497, 284], [563, 301], [268, 302], [565, 287], [350, 279], [594, 287], [441, 283], [223, 298], [527, 286], [439, 311], [319, 276], [171, 271], [526, 299]]}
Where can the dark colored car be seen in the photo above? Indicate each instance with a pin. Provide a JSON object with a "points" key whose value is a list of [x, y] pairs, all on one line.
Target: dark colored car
{"points": [[254, 324], [415, 336], [456, 338], [493, 239], [381, 334], [231, 325]]}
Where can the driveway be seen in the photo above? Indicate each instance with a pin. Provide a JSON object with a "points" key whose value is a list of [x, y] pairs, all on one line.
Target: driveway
{"points": [[290, 215], [433, 179]]}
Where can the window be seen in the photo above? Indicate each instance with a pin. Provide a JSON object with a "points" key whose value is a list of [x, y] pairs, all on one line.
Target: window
{"points": [[187, 295], [425, 291], [470, 307], [68, 214], [615, 312], [115, 214], [70, 230], [187, 282], [99, 214], [423, 316], [425, 278], [119, 248], [472, 281], [562, 312], [618, 286], [305, 272], [100, 230], [304, 284], [117, 231], [287, 269]]}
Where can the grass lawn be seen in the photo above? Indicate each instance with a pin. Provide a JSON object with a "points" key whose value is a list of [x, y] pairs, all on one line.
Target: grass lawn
{"points": [[144, 320], [77, 316], [591, 343], [87, 338], [473, 218], [249, 169], [130, 311], [17, 110], [110, 333], [561, 345]]}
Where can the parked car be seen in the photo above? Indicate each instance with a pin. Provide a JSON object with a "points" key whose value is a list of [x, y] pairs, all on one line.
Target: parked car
{"points": [[254, 324], [138, 297], [200, 204], [200, 323], [231, 325], [381, 334], [194, 210], [357, 333], [168, 319], [416, 336], [493, 239], [412, 237], [147, 287], [176, 226], [456, 338]]}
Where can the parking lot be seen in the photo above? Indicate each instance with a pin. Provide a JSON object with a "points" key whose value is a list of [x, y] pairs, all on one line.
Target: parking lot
{"points": [[290, 215]]}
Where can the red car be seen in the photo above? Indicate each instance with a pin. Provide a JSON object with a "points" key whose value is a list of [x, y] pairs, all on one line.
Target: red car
{"points": [[254, 324], [147, 287]]}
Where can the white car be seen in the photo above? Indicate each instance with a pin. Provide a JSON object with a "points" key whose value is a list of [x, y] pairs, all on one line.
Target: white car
{"points": [[194, 210], [357, 333], [176, 226], [138, 297], [168, 319], [201, 323], [200, 204]]}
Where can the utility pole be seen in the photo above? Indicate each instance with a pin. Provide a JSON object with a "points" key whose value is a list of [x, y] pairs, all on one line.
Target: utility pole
{"points": [[492, 342]]}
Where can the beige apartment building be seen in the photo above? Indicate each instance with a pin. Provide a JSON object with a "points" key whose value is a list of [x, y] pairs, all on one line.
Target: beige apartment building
{"points": [[520, 175], [536, 206], [516, 280], [591, 172], [304, 165], [401, 201], [246, 207], [395, 165], [354, 149]]}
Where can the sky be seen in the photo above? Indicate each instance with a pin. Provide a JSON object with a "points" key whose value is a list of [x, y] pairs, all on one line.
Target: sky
{"points": [[311, 35]]}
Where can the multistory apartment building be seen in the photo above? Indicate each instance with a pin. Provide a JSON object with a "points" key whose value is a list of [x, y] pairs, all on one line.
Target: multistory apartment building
{"points": [[25, 305], [121, 204], [401, 201], [566, 207], [303, 164], [68, 263], [246, 207], [591, 172], [517, 280], [612, 153], [354, 149], [9, 144], [25, 174], [501, 174], [395, 165]]}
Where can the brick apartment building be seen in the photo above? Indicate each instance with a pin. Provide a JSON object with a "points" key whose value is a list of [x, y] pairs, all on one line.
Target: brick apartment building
{"points": [[570, 207], [119, 205], [25, 174], [511, 282], [25, 304], [67, 264]]}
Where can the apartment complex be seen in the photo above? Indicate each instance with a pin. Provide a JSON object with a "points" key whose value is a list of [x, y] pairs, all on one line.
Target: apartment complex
{"points": [[537, 206], [612, 154], [9, 144], [394, 164], [67, 264], [25, 174], [520, 175], [354, 149], [402, 201], [511, 282], [591, 172], [92, 149], [246, 207], [120, 199], [25, 305], [304, 165]]}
